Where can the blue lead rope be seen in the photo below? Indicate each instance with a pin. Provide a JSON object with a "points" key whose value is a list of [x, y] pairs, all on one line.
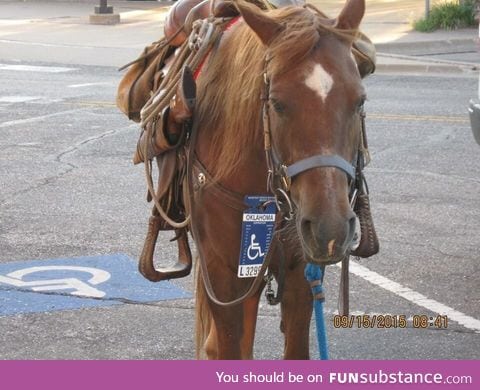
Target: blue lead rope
{"points": [[314, 275]]}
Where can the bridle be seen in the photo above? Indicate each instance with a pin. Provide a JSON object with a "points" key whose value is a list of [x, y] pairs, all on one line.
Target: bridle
{"points": [[278, 184], [280, 176]]}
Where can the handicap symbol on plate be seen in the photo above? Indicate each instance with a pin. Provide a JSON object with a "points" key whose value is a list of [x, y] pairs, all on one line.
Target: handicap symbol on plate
{"points": [[254, 249], [79, 287]]}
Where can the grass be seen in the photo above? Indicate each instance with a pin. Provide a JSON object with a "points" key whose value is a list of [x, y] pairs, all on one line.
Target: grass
{"points": [[448, 16]]}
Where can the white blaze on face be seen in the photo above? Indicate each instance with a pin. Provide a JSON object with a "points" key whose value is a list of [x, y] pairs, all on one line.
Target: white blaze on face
{"points": [[320, 81]]}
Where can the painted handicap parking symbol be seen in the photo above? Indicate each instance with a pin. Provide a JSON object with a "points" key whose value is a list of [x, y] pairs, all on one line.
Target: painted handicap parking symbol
{"points": [[79, 287], [75, 283]]}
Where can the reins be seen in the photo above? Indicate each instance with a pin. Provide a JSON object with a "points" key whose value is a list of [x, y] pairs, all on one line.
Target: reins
{"points": [[194, 230]]}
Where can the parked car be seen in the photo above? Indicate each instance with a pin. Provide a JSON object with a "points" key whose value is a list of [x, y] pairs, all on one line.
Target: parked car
{"points": [[474, 108]]}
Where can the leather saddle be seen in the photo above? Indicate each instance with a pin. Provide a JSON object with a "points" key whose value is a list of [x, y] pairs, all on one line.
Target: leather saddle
{"points": [[182, 15]]}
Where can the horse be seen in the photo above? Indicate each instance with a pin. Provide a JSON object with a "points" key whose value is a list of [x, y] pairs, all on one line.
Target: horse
{"points": [[290, 70]]}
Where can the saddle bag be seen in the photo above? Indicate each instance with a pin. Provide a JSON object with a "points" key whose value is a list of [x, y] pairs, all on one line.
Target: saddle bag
{"points": [[369, 244]]}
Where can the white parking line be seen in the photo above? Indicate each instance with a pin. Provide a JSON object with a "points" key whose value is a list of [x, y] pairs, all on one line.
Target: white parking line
{"points": [[87, 85], [18, 99], [414, 297], [37, 118], [32, 68]]}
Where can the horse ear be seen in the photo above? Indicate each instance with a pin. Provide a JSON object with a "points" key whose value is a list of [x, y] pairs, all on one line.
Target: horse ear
{"points": [[351, 15], [265, 27]]}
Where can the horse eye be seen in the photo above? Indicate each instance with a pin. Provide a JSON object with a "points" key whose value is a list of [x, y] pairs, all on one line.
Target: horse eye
{"points": [[277, 106]]}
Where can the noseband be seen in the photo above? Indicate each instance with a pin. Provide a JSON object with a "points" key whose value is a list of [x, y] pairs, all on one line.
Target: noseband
{"points": [[280, 175]]}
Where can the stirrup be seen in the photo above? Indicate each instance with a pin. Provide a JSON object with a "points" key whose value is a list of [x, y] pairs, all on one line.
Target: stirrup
{"points": [[183, 265]]}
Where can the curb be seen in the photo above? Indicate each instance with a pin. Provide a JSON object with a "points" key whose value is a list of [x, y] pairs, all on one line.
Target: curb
{"points": [[422, 68], [396, 63], [427, 47]]}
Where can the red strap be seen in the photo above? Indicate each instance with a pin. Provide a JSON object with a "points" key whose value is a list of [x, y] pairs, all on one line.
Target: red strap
{"points": [[228, 26]]}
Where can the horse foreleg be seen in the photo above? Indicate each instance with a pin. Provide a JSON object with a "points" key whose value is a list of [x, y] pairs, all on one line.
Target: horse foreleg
{"points": [[296, 310], [250, 311], [211, 343], [225, 333], [232, 332]]}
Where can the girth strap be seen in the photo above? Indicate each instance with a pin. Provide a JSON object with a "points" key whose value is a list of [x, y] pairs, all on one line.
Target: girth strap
{"points": [[321, 161]]}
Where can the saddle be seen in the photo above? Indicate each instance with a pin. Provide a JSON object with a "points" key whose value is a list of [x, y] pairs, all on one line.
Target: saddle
{"points": [[159, 91]]}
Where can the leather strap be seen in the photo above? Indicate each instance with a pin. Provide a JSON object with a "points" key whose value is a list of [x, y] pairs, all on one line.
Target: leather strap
{"points": [[321, 161], [259, 279], [226, 196], [343, 295]]}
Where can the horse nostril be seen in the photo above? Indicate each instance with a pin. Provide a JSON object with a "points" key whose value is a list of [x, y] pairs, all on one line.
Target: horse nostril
{"points": [[309, 231], [306, 226]]}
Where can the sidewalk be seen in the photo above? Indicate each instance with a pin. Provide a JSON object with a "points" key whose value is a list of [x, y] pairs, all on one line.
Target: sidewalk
{"points": [[59, 32]]}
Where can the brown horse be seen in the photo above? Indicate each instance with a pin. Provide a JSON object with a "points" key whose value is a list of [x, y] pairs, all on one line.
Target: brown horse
{"points": [[300, 63]]}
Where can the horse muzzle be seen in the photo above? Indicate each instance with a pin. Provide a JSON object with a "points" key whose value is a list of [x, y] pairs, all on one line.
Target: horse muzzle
{"points": [[328, 240]]}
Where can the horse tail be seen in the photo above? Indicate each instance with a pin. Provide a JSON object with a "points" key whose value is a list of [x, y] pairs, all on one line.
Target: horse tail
{"points": [[203, 316]]}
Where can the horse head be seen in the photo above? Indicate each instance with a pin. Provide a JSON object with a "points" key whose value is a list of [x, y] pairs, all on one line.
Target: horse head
{"points": [[314, 100]]}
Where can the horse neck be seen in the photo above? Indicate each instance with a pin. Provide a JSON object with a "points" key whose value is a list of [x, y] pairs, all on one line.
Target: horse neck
{"points": [[230, 142]]}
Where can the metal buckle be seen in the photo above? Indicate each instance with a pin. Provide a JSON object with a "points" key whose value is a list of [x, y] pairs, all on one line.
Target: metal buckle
{"points": [[286, 181], [353, 198], [201, 179], [270, 179], [265, 78], [287, 213]]}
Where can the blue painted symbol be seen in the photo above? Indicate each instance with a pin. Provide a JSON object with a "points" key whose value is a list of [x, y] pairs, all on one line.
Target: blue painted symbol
{"points": [[257, 229], [62, 284]]}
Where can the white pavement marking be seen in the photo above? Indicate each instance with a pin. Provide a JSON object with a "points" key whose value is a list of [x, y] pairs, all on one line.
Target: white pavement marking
{"points": [[80, 288], [320, 81], [37, 118], [414, 297], [42, 44], [18, 99], [31, 68], [87, 85]]}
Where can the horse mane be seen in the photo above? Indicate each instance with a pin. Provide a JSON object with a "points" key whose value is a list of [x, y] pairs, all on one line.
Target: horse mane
{"points": [[229, 99]]}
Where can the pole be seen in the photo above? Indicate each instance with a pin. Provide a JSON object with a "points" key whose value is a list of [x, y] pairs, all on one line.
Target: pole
{"points": [[103, 14], [103, 8], [427, 8]]}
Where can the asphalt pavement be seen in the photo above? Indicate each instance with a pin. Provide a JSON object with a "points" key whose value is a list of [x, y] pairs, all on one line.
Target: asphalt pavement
{"points": [[70, 196]]}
